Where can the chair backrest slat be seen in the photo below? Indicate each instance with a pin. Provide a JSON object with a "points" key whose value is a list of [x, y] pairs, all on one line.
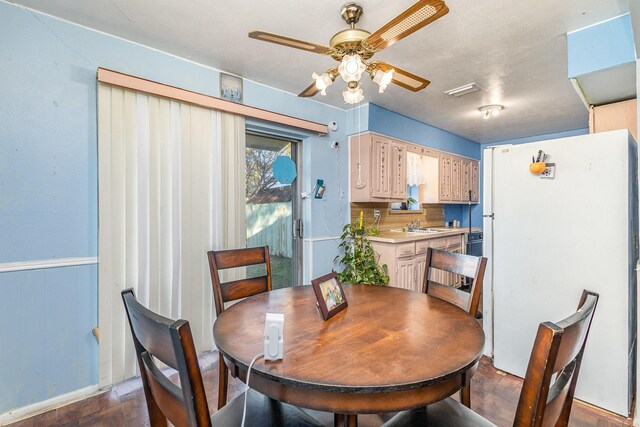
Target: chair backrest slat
{"points": [[154, 334], [465, 265], [166, 394], [575, 329], [243, 288], [552, 374], [234, 258], [240, 257], [451, 262], [451, 295], [171, 342]]}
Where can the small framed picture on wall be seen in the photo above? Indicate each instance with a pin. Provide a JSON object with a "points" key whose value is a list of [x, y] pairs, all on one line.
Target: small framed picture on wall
{"points": [[231, 88]]}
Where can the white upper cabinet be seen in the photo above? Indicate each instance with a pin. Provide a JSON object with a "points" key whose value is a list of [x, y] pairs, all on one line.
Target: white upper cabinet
{"points": [[379, 172]]}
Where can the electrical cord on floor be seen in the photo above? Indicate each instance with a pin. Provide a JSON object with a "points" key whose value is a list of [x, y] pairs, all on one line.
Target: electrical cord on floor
{"points": [[244, 410]]}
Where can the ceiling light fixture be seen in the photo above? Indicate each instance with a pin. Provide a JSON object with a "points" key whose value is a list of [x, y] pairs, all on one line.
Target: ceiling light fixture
{"points": [[382, 79], [351, 69], [490, 110], [323, 81], [354, 94]]}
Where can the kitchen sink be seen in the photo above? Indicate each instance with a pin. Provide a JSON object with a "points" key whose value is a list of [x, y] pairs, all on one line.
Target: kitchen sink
{"points": [[423, 231]]}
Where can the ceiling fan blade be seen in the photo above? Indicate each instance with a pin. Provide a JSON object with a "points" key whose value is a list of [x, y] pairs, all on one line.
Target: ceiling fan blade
{"points": [[409, 21], [288, 41], [403, 78], [309, 91]]}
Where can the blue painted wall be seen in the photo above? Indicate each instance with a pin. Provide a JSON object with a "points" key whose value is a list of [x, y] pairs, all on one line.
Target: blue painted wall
{"points": [[44, 352], [48, 187], [402, 127], [600, 46]]}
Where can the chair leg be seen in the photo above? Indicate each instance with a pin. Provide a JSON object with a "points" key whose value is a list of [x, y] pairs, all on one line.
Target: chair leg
{"points": [[223, 382], [352, 421], [338, 420]]}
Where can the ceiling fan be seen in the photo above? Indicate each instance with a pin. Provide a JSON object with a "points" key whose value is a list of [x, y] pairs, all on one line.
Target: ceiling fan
{"points": [[354, 47]]}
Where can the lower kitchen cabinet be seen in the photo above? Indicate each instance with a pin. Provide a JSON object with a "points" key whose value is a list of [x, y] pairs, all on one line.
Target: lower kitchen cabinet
{"points": [[406, 261]]}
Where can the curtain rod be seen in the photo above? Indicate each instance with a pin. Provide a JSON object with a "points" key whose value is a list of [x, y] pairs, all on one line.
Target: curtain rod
{"points": [[154, 88]]}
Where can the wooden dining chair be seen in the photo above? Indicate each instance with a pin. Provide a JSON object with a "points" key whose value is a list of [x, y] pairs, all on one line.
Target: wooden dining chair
{"points": [[465, 265], [549, 384], [236, 289], [171, 342]]}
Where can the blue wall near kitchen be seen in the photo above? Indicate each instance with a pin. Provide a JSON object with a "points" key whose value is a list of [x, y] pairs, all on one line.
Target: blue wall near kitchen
{"points": [[598, 47], [48, 184], [402, 127]]}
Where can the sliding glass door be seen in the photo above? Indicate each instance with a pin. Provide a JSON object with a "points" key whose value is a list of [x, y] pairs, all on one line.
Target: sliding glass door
{"points": [[273, 211]]}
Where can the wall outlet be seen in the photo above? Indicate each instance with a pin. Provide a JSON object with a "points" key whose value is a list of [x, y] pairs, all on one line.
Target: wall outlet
{"points": [[376, 213], [274, 336]]}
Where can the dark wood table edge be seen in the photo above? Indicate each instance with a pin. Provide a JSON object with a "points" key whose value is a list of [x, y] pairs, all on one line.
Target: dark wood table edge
{"points": [[241, 366]]}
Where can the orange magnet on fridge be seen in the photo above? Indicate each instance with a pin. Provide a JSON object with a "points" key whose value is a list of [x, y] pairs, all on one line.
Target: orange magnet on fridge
{"points": [[537, 167]]}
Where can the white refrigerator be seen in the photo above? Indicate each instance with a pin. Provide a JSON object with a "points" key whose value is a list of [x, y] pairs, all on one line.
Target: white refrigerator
{"points": [[547, 239]]}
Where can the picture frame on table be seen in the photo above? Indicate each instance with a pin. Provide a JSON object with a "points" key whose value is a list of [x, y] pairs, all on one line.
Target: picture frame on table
{"points": [[329, 295], [231, 88]]}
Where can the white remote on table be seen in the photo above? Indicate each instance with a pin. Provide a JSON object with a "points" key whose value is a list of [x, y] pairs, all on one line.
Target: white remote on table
{"points": [[274, 336]]}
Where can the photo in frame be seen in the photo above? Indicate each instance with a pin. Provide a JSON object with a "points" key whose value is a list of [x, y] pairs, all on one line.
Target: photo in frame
{"points": [[329, 294], [231, 88]]}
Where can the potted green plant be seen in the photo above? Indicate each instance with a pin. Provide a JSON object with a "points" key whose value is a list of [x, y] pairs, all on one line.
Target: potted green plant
{"points": [[410, 202], [359, 259]]}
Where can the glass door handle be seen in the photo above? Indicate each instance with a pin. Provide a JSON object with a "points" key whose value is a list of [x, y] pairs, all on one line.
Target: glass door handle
{"points": [[298, 229]]}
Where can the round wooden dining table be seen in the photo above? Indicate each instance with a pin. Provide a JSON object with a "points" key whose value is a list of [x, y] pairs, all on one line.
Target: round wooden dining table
{"points": [[391, 349]]}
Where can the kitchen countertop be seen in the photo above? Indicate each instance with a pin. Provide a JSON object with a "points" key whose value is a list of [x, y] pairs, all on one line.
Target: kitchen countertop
{"points": [[387, 236]]}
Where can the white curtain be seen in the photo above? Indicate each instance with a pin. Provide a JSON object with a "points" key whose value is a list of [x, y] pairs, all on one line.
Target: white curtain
{"points": [[415, 175], [171, 188]]}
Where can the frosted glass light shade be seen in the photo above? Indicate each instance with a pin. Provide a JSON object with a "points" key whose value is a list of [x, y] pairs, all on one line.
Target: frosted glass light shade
{"points": [[353, 96], [323, 81], [382, 79], [351, 68]]}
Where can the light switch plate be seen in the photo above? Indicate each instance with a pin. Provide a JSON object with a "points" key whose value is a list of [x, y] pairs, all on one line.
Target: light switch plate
{"points": [[274, 336]]}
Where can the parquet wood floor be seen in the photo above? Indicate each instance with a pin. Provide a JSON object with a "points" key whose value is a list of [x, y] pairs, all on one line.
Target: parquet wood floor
{"points": [[493, 394]]}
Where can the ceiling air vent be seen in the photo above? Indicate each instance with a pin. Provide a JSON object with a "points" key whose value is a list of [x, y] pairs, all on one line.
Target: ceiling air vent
{"points": [[464, 90]]}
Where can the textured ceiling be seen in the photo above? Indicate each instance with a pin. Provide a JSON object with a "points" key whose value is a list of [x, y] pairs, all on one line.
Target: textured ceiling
{"points": [[516, 50]]}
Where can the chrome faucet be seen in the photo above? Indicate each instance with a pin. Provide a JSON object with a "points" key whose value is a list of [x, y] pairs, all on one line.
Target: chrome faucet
{"points": [[415, 225]]}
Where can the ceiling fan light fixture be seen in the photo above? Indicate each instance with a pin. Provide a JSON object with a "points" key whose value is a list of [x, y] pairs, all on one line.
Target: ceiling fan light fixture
{"points": [[323, 81], [353, 95], [490, 110], [351, 67], [382, 79]]}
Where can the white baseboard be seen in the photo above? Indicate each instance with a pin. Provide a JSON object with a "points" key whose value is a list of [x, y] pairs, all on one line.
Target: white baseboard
{"points": [[46, 405], [46, 263]]}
